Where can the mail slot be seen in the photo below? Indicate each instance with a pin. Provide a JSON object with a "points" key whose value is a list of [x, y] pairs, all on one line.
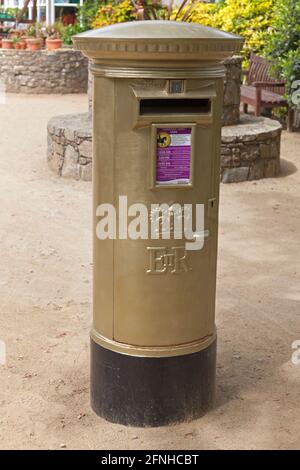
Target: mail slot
{"points": [[174, 106], [158, 89]]}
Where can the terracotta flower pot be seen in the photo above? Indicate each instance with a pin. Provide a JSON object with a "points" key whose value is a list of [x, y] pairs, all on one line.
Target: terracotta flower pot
{"points": [[20, 45], [7, 44], [53, 44], [34, 44], [0, 42]]}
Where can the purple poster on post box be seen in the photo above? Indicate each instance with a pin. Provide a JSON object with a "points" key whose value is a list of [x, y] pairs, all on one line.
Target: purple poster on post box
{"points": [[173, 158]]}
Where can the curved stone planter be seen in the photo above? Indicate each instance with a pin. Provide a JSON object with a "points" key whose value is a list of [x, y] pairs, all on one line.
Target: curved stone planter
{"points": [[69, 137], [60, 71], [69, 151], [250, 150]]}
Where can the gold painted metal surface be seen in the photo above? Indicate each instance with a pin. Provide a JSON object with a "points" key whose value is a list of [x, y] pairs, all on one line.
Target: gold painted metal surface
{"points": [[135, 70], [158, 41], [151, 297], [159, 351]]}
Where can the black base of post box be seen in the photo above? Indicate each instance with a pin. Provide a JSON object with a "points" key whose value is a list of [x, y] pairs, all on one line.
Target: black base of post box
{"points": [[149, 391]]}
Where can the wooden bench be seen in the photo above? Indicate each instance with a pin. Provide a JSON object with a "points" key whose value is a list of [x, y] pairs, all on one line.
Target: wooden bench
{"points": [[262, 91]]}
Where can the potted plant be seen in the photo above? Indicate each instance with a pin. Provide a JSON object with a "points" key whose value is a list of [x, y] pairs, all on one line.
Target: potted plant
{"points": [[54, 36], [34, 44], [19, 43], [35, 37], [7, 43]]}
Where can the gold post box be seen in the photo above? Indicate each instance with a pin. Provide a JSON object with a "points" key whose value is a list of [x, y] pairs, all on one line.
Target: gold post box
{"points": [[157, 101]]}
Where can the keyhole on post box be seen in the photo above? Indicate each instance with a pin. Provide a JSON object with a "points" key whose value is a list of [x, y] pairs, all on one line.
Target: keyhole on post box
{"points": [[211, 206]]}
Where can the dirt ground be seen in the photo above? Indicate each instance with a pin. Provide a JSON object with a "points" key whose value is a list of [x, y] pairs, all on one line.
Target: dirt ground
{"points": [[45, 304]]}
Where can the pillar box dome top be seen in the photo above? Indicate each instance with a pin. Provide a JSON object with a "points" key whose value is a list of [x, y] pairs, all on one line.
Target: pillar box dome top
{"points": [[158, 41]]}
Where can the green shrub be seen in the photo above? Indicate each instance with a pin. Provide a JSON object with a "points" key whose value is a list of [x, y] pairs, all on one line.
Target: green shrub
{"points": [[70, 31], [283, 46], [285, 33], [87, 12]]}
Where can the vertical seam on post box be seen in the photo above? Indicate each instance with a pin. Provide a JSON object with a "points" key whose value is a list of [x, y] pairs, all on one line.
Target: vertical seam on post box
{"points": [[215, 191], [210, 220], [94, 205], [114, 199]]}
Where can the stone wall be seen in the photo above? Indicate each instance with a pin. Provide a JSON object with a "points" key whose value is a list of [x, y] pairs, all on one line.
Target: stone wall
{"points": [[232, 91], [250, 150], [59, 71], [69, 150], [250, 147]]}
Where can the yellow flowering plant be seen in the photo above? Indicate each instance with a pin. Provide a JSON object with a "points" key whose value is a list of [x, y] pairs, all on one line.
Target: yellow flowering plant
{"points": [[251, 19], [129, 10], [112, 13]]}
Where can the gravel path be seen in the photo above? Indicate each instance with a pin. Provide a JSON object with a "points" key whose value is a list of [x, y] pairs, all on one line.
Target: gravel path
{"points": [[45, 313]]}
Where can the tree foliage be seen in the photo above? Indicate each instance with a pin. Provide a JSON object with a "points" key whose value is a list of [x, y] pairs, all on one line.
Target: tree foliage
{"points": [[283, 45]]}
